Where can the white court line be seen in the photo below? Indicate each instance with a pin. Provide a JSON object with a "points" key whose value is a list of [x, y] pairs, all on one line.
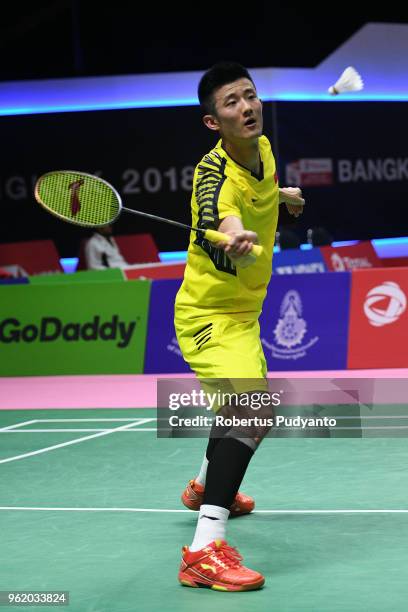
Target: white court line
{"points": [[364, 427], [371, 416], [75, 441], [140, 420], [137, 429], [11, 427], [52, 509], [22, 431]]}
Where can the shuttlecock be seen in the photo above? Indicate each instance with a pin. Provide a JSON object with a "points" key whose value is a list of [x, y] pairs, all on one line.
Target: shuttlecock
{"points": [[350, 80]]}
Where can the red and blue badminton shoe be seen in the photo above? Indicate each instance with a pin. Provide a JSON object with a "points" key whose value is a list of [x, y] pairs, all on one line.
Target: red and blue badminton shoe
{"points": [[217, 566], [193, 494]]}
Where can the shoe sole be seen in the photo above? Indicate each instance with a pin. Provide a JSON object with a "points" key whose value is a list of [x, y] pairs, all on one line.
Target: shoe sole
{"points": [[232, 588]]}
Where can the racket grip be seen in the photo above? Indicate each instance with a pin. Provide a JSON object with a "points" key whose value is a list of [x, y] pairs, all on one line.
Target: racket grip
{"points": [[214, 236]]}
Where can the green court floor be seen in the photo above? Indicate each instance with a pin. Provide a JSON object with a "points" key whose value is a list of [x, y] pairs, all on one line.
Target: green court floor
{"points": [[101, 517]]}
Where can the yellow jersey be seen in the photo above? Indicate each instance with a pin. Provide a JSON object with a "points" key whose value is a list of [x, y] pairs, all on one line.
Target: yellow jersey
{"points": [[212, 284]]}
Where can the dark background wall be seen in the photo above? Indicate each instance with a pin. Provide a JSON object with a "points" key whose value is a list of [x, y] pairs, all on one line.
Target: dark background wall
{"points": [[364, 194], [148, 154], [65, 38]]}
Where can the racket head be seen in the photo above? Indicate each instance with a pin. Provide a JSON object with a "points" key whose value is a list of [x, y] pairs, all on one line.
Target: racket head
{"points": [[79, 198]]}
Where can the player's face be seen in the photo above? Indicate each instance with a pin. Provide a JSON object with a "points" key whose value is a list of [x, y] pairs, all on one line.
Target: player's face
{"points": [[238, 111]]}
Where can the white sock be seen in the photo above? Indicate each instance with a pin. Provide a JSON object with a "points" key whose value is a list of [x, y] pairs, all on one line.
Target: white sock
{"points": [[211, 525], [203, 472]]}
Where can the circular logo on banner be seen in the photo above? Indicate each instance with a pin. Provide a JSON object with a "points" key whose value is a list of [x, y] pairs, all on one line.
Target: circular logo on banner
{"points": [[337, 262], [290, 328], [394, 303]]}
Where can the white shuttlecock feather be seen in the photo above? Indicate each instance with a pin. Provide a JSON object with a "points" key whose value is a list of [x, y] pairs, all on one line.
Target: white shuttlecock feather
{"points": [[350, 80]]}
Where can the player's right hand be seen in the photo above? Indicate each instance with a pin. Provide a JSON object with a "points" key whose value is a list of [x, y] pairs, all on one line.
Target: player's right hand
{"points": [[239, 247]]}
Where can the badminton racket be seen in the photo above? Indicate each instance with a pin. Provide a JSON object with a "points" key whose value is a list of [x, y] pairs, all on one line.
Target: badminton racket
{"points": [[89, 201]]}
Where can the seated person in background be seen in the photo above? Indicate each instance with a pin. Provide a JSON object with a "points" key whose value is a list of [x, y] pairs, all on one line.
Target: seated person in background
{"points": [[101, 251]]}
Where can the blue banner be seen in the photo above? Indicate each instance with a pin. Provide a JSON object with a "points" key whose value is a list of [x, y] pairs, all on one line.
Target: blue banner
{"points": [[14, 281], [163, 353], [304, 323], [298, 261]]}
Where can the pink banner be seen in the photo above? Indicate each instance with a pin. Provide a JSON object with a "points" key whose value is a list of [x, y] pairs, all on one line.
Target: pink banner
{"points": [[156, 271], [341, 259]]}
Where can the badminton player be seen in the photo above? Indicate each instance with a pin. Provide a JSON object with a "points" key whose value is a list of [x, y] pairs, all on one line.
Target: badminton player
{"points": [[236, 191]]}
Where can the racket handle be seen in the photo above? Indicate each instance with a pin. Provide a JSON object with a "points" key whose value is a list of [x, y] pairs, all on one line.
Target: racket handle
{"points": [[214, 236]]}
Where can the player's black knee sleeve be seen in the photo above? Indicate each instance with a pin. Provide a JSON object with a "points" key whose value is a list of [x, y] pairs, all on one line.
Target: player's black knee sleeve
{"points": [[225, 471]]}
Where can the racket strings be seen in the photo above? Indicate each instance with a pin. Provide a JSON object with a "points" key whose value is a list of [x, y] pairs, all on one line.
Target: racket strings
{"points": [[78, 198]]}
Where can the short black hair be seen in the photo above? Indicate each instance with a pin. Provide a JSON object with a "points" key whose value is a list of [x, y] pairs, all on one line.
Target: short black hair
{"points": [[218, 75]]}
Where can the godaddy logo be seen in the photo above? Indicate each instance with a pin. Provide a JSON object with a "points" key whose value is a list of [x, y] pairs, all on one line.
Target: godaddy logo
{"points": [[50, 329]]}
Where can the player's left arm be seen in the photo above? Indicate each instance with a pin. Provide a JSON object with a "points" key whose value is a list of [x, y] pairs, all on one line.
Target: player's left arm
{"points": [[292, 197]]}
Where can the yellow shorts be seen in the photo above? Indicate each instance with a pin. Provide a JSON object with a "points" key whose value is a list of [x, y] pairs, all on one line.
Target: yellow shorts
{"points": [[224, 348]]}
